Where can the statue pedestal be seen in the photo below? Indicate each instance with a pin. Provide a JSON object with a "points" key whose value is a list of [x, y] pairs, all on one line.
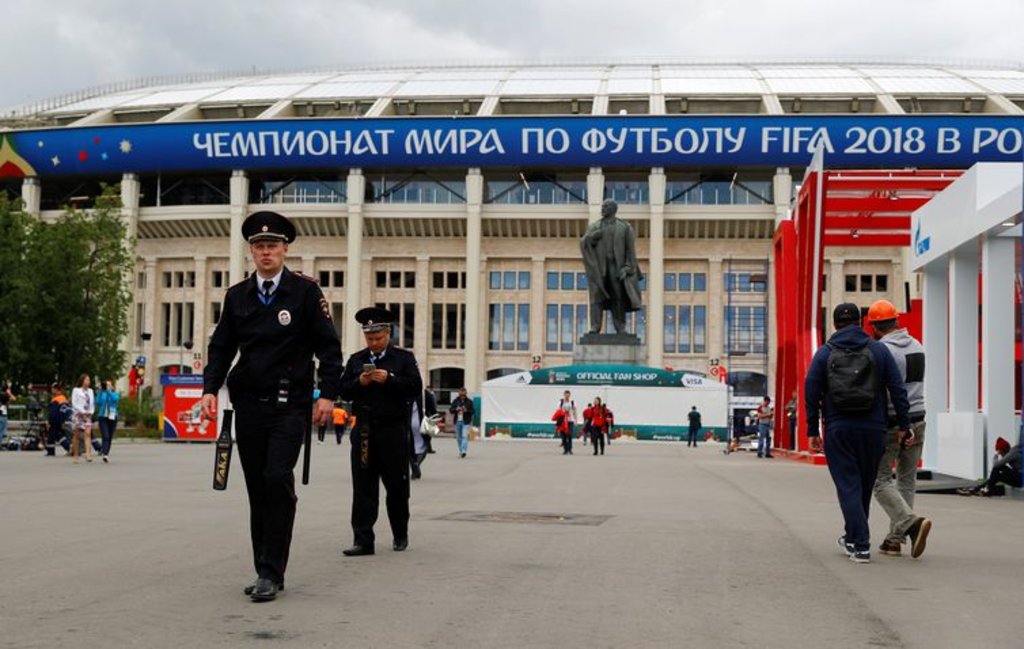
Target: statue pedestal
{"points": [[609, 349]]}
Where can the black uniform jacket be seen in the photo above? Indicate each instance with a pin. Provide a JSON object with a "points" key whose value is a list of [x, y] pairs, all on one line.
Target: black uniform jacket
{"points": [[390, 400], [275, 341]]}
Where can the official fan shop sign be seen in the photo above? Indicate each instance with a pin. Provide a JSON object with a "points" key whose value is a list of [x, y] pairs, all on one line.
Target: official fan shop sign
{"points": [[566, 141], [614, 375]]}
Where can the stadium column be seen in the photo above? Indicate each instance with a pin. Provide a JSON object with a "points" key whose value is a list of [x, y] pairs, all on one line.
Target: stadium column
{"points": [[935, 332], [595, 193], [131, 191], [239, 205], [149, 321], [422, 309], [782, 189], [656, 270], [997, 314], [474, 200], [714, 323], [199, 302], [32, 195], [537, 285], [354, 264]]}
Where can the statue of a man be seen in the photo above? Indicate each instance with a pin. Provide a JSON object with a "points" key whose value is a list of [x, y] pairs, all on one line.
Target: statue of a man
{"points": [[613, 275]]}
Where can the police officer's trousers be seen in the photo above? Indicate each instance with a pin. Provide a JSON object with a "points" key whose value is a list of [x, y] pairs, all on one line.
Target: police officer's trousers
{"points": [[385, 458], [269, 441]]}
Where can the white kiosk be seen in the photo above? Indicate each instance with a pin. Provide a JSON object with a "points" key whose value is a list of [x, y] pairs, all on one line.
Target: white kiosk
{"points": [[969, 228]]}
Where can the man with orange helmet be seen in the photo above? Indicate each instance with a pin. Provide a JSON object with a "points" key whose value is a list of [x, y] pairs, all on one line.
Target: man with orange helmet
{"points": [[896, 496]]}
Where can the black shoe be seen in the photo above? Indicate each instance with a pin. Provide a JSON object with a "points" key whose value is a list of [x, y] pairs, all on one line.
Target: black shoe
{"points": [[769, 455], [400, 544], [248, 590], [760, 455], [358, 550], [264, 590], [918, 533]]}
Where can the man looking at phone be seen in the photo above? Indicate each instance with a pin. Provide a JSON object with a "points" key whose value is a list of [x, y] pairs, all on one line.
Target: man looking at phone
{"points": [[382, 381]]}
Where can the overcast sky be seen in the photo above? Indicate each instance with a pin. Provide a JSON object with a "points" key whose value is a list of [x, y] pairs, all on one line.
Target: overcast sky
{"points": [[53, 47]]}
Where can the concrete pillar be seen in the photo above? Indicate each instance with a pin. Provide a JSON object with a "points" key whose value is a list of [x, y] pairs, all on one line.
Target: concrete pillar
{"points": [[782, 188], [963, 329], [595, 193], [149, 324], [130, 192], [716, 289], [239, 208], [538, 287], [199, 317], [353, 267], [31, 195], [836, 293], [474, 302], [309, 265], [421, 335], [936, 340], [656, 271], [997, 315]]}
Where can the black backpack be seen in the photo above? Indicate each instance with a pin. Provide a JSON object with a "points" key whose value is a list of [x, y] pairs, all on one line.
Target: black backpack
{"points": [[852, 379]]}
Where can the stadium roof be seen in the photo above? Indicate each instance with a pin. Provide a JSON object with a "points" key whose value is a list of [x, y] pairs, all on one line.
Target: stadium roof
{"points": [[596, 84]]}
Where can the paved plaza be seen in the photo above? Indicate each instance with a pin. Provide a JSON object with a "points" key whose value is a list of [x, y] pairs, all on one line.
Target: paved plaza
{"points": [[673, 547]]}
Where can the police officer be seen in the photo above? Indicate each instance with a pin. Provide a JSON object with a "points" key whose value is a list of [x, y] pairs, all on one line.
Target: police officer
{"points": [[277, 320], [382, 381]]}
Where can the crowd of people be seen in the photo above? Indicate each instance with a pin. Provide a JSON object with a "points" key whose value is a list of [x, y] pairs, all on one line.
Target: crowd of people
{"points": [[597, 429]]}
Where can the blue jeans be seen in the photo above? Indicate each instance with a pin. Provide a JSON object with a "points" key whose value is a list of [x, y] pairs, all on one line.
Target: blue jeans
{"points": [[461, 437], [107, 427], [764, 439], [692, 437], [3, 426]]}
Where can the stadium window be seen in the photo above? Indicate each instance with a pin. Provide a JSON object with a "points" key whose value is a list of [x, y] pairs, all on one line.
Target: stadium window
{"points": [[165, 279], [523, 327], [685, 281], [438, 280], [581, 281], [325, 278], [582, 322], [509, 280], [462, 278], [568, 281], [700, 282], [216, 279], [190, 279], [566, 327], [437, 326], [881, 283], [850, 282], [551, 327], [552, 281], [685, 331], [179, 279], [866, 283], [395, 279], [382, 279], [494, 282], [338, 278], [824, 282], [524, 281], [699, 329], [140, 280], [670, 281], [670, 329], [451, 280]]}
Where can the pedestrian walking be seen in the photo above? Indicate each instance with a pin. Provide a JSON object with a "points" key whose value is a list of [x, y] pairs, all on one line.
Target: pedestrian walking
{"points": [[58, 413], [598, 425], [106, 416], [382, 381], [563, 429], [6, 397], [462, 408], [896, 493], [765, 414], [846, 386], [276, 321], [339, 418], [83, 405]]}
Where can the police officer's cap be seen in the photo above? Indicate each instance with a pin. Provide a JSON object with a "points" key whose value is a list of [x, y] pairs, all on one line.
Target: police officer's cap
{"points": [[374, 319], [267, 225]]}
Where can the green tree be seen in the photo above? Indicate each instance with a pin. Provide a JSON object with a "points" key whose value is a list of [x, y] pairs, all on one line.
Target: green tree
{"points": [[71, 295], [14, 228]]}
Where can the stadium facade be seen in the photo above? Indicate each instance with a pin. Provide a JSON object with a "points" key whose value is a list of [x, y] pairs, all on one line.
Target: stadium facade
{"points": [[456, 195]]}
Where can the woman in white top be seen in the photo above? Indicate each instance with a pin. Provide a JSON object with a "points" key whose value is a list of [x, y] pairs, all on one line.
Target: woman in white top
{"points": [[83, 403]]}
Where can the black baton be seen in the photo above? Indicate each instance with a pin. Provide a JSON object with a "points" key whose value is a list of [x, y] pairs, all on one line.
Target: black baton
{"points": [[307, 442], [222, 458]]}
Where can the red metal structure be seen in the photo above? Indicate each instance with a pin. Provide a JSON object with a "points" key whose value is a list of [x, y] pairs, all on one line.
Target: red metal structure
{"points": [[834, 208]]}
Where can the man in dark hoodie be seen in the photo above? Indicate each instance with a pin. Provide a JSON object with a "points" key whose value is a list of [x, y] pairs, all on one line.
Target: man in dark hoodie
{"points": [[896, 495], [846, 385]]}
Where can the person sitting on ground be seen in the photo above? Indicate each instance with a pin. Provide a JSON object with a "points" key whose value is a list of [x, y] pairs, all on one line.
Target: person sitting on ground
{"points": [[1005, 471]]}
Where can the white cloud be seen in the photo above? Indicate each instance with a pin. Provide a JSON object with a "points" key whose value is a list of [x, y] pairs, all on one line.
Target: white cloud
{"points": [[65, 45]]}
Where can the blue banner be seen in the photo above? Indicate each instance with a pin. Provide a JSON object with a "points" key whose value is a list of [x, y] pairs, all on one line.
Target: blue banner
{"points": [[850, 141]]}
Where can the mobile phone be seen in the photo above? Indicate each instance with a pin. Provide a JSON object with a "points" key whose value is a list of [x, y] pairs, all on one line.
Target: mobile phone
{"points": [[369, 367]]}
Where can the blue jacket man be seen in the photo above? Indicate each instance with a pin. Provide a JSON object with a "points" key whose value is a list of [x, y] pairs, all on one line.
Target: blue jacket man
{"points": [[854, 441]]}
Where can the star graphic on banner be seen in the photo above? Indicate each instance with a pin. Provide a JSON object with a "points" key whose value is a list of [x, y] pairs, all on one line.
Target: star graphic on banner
{"points": [[104, 155], [55, 160], [39, 144], [126, 146]]}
